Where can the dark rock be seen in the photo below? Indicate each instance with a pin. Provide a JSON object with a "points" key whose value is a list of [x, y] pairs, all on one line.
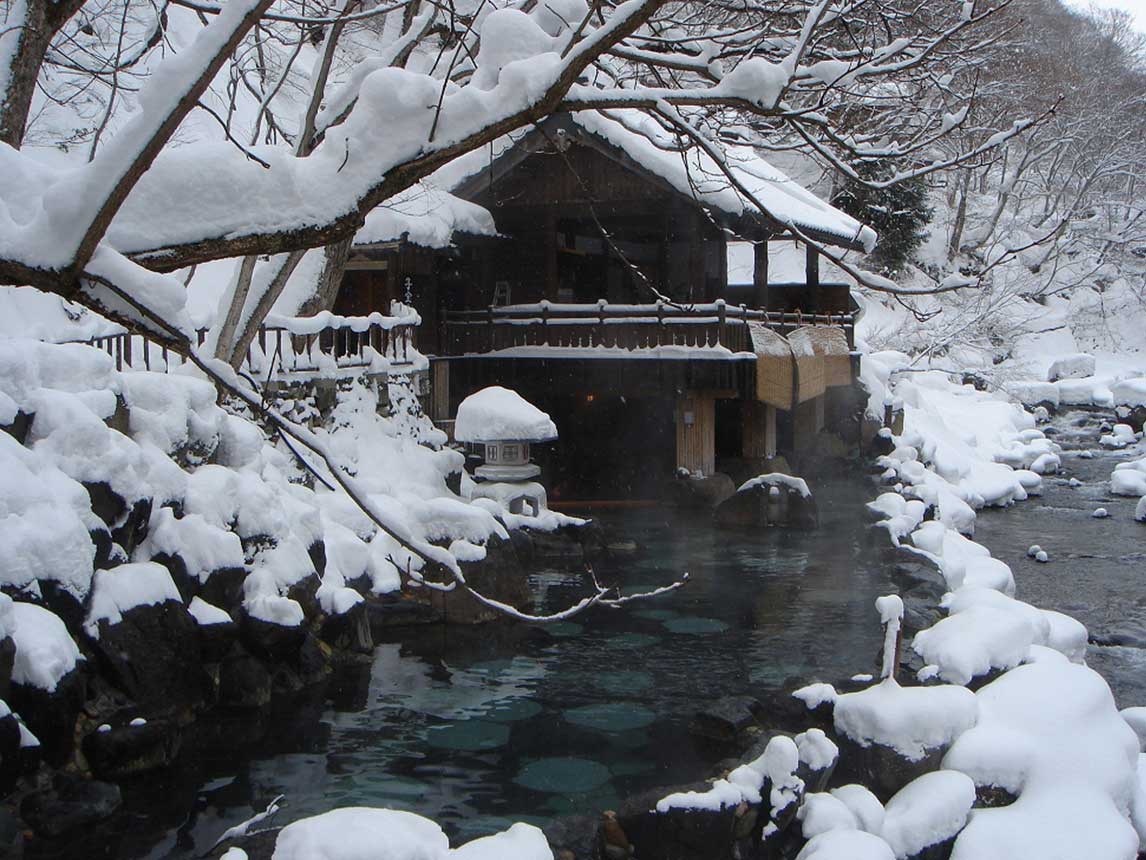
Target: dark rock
{"points": [[305, 594], [20, 425], [558, 546], [769, 503], [7, 660], [63, 603], [313, 663], [317, 553], [222, 587], [130, 750], [51, 717], [11, 764], [573, 836], [727, 719], [132, 529], [153, 654], [882, 769], [101, 540], [216, 640], [349, 632], [399, 609], [244, 681], [71, 803], [678, 834], [501, 576], [272, 642], [993, 796], [938, 851], [704, 493], [106, 503]]}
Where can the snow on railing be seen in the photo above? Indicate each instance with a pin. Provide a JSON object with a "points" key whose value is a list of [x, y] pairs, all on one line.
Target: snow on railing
{"points": [[625, 326], [323, 343]]}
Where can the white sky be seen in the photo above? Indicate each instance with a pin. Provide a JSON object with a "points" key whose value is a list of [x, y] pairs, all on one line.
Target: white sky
{"points": [[1136, 7]]}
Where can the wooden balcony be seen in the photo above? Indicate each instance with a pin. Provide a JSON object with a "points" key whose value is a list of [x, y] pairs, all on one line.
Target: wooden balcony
{"points": [[714, 328]]}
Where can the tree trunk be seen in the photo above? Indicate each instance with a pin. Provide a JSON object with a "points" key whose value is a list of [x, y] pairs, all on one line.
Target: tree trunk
{"points": [[333, 267], [26, 41], [960, 218]]}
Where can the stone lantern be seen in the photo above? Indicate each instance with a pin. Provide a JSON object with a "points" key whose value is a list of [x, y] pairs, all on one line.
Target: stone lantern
{"points": [[500, 425]]}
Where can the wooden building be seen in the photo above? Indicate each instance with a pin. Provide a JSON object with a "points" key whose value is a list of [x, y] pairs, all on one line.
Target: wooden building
{"points": [[607, 278]]}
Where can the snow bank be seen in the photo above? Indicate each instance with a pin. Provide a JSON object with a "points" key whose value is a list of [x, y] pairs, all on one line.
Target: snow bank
{"points": [[1129, 392], [45, 651], [1077, 366], [1049, 732], [910, 720], [497, 414]]}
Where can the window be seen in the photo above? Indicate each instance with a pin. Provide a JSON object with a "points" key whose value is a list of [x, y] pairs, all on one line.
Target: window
{"points": [[491, 453], [511, 453]]}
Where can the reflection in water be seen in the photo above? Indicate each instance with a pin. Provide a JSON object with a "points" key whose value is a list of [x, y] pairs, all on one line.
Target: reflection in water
{"points": [[478, 728]]}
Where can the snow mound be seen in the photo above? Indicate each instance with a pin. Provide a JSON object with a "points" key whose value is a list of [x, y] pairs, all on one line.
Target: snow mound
{"points": [[1049, 733], [498, 414], [519, 842], [927, 811], [45, 651], [823, 813], [910, 720], [206, 614], [1129, 478], [362, 833], [846, 845], [777, 479]]}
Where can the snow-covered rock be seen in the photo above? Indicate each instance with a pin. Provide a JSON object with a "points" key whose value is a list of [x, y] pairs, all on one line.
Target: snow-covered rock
{"points": [[910, 720], [1077, 366]]}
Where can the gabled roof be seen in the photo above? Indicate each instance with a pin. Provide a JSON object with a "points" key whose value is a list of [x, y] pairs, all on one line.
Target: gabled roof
{"points": [[639, 144]]}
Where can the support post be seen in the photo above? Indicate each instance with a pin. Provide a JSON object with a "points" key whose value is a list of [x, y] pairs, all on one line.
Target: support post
{"points": [[696, 433], [760, 274], [550, 250], [812, 278]]}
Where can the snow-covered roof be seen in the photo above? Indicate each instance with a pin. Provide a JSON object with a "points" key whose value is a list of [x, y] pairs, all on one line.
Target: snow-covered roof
{"points": [[645, 144], [497, 414]]}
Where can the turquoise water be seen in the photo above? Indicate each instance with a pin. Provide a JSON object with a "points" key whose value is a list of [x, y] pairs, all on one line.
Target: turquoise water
{"points": [[476, 728]]}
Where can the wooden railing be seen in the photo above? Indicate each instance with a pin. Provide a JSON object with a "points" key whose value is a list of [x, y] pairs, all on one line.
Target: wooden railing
{"points": [[288, 345], [627, 327]]}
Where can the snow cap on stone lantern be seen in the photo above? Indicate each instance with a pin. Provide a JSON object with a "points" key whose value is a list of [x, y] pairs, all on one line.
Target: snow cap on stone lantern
{"points": [[505, 423]]}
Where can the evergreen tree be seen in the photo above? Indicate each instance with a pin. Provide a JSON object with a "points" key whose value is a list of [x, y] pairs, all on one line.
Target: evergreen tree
{"points": [[899, 213]]}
